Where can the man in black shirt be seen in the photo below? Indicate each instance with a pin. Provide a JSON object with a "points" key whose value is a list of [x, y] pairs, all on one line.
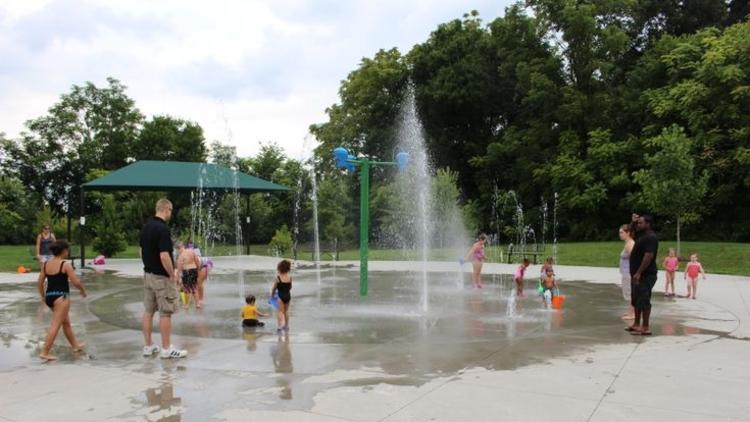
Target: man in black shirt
{"points": [[643, 274], [159, 281]]}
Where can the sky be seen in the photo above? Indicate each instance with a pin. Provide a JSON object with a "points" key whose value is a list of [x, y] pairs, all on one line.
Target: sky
{"points": [[247, 71]]}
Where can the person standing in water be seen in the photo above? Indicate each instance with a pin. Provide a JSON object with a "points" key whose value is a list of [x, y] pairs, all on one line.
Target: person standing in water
{"points": [[627, 237], [159, 281], [58, 272], [283, 286], [477, 257], [188, 264], [643, 274]]}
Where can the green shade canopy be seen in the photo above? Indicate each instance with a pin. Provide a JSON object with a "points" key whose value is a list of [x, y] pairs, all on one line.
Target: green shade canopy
{"points": [[174, 176]]}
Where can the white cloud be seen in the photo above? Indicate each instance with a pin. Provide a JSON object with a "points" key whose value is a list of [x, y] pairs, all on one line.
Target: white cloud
{"points": [[267, 69]]}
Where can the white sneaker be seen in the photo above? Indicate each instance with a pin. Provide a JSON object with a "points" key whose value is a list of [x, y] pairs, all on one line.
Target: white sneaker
{"points": [[173, 353], [150, 350]]}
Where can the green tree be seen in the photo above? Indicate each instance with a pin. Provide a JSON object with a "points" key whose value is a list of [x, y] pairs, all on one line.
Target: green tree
{"points": [[281, 242], [670, 185], [334, 205], [369, 102], [446, 211], [224, 155], [110, 234], [170, 139], [88, 128], [17, 208]]}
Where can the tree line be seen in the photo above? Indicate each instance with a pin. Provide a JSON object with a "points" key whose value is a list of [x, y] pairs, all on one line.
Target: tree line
{"points": [[616, 106], [93, 130]]}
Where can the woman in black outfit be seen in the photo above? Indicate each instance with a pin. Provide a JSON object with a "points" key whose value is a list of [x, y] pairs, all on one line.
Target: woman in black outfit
{"points": [[283, 285]]}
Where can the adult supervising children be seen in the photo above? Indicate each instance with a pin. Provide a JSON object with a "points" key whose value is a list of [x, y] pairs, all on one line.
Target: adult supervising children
{"points": [[159, 281], [643, 274]]}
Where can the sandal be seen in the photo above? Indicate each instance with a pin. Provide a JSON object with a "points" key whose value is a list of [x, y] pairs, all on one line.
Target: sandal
{"points": [[632, 329], [640, 333]]}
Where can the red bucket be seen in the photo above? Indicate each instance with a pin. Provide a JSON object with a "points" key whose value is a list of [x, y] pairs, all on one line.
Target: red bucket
{"points": [[557, 302]]}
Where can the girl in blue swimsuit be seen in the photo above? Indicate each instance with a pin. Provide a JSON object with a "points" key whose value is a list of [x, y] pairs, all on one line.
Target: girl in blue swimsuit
{"points": [[58, 272]]}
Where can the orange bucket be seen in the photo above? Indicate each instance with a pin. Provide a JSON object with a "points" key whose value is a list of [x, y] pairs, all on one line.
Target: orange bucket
{"points": [[557, 302]]}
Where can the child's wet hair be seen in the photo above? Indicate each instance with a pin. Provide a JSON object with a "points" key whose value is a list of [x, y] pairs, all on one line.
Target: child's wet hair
{"points": [[249, 299], [284, 266], [526, 261]]}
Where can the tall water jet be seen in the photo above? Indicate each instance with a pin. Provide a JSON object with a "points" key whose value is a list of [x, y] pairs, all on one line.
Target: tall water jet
{"points": [[410, 138], [554, 229], [296, 217], [316, 231]]}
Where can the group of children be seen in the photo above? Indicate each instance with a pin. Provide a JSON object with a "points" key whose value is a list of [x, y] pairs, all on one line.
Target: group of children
{"points": [[547, 283], [693, 270]]}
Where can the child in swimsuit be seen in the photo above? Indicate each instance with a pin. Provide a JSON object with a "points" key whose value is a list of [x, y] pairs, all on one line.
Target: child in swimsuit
{"points": [[670, 264], [692, 270], [282, 286], [550, 287], [250, 313], [188, 264], [56, 296], [477, 257], [518, 277], [548, 265]]}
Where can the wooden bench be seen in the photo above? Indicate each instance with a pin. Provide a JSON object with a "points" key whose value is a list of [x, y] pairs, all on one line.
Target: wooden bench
{"points": [[535, 252]]}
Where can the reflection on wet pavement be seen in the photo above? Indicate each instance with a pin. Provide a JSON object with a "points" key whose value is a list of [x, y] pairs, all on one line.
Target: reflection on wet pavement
{"points": [[336, 337]]}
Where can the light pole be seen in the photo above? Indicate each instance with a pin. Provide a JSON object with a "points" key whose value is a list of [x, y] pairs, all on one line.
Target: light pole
{"points": [[348, 162]]}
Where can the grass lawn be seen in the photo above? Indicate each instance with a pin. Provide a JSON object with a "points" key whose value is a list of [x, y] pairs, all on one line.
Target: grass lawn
{"points": [[716, 257]]}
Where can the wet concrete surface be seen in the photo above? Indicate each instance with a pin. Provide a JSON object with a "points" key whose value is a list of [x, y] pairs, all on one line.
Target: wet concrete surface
{"points": [[336, 338]]}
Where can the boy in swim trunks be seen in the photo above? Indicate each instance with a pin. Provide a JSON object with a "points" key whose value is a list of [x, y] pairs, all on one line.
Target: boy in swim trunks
{"points": [[188, 264]]}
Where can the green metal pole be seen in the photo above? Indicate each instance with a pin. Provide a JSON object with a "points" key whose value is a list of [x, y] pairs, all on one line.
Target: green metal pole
{"points": [[364, 223]]}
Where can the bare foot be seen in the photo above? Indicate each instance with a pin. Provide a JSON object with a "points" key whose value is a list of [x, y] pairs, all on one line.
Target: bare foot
{"points": [[47, 357], [79, 347], [627, 316]]}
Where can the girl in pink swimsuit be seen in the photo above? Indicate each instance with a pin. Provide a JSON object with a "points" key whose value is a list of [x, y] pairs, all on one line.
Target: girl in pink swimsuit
{"points": [[477, 258], [670, 264], [692, 270]]}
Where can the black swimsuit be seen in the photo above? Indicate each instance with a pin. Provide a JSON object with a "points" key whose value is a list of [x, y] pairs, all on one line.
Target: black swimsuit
{"points": [[284, 290], [57, 285]]}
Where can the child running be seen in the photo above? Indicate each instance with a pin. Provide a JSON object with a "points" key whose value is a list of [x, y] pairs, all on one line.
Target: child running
{"points": [[188, 264], [58, 272], [518, 278], [283, 286], [550, 287], [692, 270], [250, 313], [670, 264]]}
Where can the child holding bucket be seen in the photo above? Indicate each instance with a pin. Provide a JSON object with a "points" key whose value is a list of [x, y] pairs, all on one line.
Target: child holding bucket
{"points": [[549, 287], [282, 286], [518, 277]]}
